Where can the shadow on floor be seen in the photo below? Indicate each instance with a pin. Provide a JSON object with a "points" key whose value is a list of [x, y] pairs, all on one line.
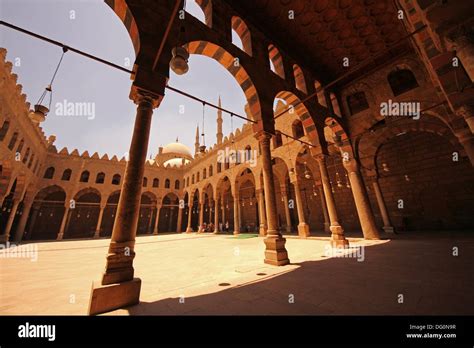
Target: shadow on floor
{"points": [[399, 277]]}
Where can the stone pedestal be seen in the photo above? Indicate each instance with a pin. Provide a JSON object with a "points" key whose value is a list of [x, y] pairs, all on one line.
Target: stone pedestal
{"points": [[275, 251], [109, 297]]}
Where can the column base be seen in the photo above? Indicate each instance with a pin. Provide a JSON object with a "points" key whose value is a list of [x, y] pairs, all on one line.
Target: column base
{"points": [[189, 230], [262, 231], [105, 298], [275, 252], [97, 234], [337, 237], [340, 243], [303, 230], [215, 232], [288, 229], [4, 238], [60, 236], [155, 233], [388, 229], [236, 232]]}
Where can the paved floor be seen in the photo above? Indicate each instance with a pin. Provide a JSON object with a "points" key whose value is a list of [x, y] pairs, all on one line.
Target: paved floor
{"points": [[207, 274]]}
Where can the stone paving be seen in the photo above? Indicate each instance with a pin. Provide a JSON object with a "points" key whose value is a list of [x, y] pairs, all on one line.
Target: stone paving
{"points": [[209, 274]]}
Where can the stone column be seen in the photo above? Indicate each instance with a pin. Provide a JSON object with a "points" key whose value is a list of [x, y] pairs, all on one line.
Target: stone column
{"points": [[20, 230], [180, 219], [210, 210], [361, 200], [275, 251], [286, 205], [303, 228], [189, 229], [216, 215], [387, 225], [99, 221], [223, 212], [338, 240], [261, 211], [324, 207], [201, 216], [118, 287], [66, 215], [6, 236], [157, 219], [236, 214]]}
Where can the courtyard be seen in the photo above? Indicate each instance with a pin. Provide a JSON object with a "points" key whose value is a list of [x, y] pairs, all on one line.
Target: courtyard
{"points": [[207, 274]]}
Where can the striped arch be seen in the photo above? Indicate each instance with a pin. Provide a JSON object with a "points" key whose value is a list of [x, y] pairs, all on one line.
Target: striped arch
{"points": [[244, 33], [303, 114], [277, 60], [299, 78], [369, 147], [339, 132], [216, 52], [121, 9]]}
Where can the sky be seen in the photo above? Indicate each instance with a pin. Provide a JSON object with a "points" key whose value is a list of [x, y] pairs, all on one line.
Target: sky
{"points": [[91, 26]]}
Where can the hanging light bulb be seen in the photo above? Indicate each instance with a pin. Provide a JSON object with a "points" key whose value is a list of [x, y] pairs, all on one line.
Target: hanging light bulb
{"points": [[385, 167], [338, 180], [307, 173], [407, 178]]}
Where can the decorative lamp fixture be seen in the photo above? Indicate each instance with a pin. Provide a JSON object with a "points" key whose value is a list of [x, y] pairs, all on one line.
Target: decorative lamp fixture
{"points": [[385, 167], [407, 178], [40, 110], [179, 62]]}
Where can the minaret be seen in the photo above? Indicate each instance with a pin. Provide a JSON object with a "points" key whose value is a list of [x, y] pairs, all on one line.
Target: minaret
{"points": [[196, 144], [219, 124]]}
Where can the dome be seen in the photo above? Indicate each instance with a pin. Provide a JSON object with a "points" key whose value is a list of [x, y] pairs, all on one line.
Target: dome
{"points": [[175, 162], [177, 148]]}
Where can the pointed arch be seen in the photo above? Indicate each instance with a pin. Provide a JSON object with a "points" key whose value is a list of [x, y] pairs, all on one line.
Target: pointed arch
{"points": [[243, 32], [123, 12], [276, 61], [299, 78], [216, 52]]}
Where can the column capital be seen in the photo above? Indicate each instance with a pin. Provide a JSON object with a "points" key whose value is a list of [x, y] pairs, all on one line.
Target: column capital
{"points": [[263, 136], [142, 97]]}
